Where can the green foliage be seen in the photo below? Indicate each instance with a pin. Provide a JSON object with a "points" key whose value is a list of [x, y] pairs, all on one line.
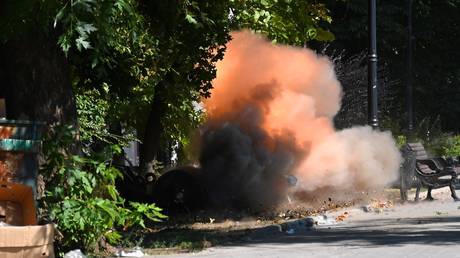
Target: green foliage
{"points": [[94, 120], [128, 56], [401, 140], [81, 197], [437, 142], [450, 146], [283, 21], [81, 18], [92, 112]]}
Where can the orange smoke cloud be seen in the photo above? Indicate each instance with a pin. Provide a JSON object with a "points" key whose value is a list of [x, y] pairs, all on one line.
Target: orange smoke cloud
{"points": [[291, 94], [307, 91]]}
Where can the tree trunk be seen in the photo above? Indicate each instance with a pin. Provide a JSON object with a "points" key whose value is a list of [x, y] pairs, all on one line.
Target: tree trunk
{"points": [[153, 132], [35, 80]]}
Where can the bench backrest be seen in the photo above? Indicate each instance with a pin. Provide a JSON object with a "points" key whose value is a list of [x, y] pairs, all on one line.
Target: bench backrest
{"points": [[418, 150]]}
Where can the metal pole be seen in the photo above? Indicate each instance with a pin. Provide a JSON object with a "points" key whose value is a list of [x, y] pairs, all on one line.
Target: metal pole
{"points": [[372, 92], [409, 88]]}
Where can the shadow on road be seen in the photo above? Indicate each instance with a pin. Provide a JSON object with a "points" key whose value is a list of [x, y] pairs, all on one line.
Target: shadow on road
{"points": [[424, 231], [436, 230]]}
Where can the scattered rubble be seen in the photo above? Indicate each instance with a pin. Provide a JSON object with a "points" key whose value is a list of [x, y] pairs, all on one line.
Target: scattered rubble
{"points": [[324, 220], [342, 217], [368, 208], [310, 222], [440, 213], [378, 206]]}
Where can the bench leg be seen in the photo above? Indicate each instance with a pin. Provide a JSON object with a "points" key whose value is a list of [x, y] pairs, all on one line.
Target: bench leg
{"points": [[402, 188], [428, 195], [417, 193], [453, 193]]}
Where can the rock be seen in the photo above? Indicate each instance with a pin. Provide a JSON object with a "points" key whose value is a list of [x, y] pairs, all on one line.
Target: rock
{"points": [[368, 208]]}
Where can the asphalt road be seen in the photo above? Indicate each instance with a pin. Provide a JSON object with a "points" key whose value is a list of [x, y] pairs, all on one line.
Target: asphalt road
{"points": [[424, 229]]}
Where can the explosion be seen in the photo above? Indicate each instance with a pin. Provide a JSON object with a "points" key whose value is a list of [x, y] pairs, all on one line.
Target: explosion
{"points": [[270, 115]]}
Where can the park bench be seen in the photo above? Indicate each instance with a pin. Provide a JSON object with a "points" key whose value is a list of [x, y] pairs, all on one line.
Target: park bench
{"points": [[420, 170]]}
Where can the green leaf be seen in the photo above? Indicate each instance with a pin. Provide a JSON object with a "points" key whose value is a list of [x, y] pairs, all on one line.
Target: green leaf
{"points": [[112, 192], [190, 19], [82, 43], [59, 15], [85, 28]]}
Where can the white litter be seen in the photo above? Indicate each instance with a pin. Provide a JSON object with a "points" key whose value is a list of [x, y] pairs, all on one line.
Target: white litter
{"points": [[4, 224], [323, 220], [136, 252], [74, 254], [290, 231]]}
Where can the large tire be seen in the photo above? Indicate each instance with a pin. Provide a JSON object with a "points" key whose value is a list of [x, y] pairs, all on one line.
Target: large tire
{"points": [[180, 191]]}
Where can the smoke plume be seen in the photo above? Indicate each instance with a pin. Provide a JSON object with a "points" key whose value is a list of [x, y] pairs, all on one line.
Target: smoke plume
{"points": [[270, 115]]}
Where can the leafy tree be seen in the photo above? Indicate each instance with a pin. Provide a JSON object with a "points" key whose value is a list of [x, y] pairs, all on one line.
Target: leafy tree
{"points": [[285, 21], [191, 42]]}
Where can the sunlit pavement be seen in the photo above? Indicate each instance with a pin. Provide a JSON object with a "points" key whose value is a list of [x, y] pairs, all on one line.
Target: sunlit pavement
{"points": [[424, 229]]}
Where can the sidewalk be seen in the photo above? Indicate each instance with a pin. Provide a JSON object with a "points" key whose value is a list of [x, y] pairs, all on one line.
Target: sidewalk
{"points": [[424, 229]]}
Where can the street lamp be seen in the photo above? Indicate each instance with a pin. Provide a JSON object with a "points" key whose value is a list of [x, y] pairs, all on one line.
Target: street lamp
{"points": [[409, 88], [372, 91]]}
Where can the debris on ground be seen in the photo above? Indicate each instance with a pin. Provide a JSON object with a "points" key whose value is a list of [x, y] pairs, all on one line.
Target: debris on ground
{"points": [[367, 208], [342, 217], [382, 204], [378, 206], [135, 252], [324, 220], [77, 253], [290, 231], [309, 222], [440, 213], [225, 226]]}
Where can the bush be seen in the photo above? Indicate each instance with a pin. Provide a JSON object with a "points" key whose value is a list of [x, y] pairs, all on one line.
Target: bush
{"points": [[81, 197], [450, 146]]}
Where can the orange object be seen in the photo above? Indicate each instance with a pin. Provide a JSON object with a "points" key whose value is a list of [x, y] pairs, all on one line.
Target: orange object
{"points": [[17, 206], [6, 132]]}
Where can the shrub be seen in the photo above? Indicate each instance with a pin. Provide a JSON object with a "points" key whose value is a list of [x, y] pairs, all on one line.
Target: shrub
{"points": [[81, 197], [451, 146]]}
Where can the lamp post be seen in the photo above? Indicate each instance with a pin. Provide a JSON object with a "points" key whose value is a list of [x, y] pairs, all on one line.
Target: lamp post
{"points": [[409, 88], [372, 91]]}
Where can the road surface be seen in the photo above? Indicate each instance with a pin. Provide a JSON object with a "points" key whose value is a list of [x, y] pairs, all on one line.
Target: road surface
{"points": [[424, 229]]}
